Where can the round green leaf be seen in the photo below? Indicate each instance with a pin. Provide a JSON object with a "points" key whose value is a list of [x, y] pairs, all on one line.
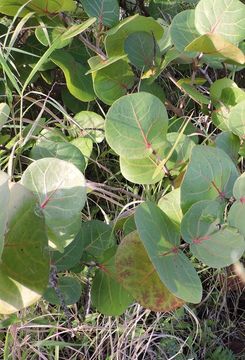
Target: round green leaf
{"points": [[214, 244], [113, 81], [4, 114], [92, 123], [136, 125], [210, 174], [217, 87], [138, 275], [24, 267], [161, 240], [107, 294], [183, 30], [232, 95], [59, 150], [61, 192], [114, 41], [85, 145], [226, 18], [69, 289], [201, 228], [106, 11], [135, 47]]}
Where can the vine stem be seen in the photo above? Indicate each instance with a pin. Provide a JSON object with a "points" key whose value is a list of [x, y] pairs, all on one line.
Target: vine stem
{"points": [[53, 282]]}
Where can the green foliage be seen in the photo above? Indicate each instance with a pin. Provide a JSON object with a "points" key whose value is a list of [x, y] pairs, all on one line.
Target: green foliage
{"points": [[82, 84]]}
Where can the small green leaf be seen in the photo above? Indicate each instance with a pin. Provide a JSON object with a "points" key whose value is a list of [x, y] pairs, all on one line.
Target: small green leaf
{"points": [[113, 81], [142, 282], [61, 192], [214, 244], [49, 31], [71, 32], [161, 239], [136, 125], [217, 87], [232, 96], [85, 145], [135, 47], [92, 125], [129, 225], [210, 174]]}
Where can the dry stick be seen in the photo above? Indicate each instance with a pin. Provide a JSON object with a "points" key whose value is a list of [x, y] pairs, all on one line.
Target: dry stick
{"points": [[123, 191], [87, 294], [103, 191], [177, 111], [40, 103], [99, 194], [204, 72]]}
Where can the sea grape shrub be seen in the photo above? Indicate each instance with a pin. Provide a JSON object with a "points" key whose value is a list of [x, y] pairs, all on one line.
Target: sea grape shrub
{"points": [[112, 65]]}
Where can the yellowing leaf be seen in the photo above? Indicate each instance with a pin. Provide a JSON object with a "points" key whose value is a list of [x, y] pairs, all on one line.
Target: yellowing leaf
{"points": [[216, 45]]}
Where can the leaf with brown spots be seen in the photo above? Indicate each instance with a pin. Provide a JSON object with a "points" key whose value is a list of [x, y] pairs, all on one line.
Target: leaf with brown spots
{"points": [[138, 275]]}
